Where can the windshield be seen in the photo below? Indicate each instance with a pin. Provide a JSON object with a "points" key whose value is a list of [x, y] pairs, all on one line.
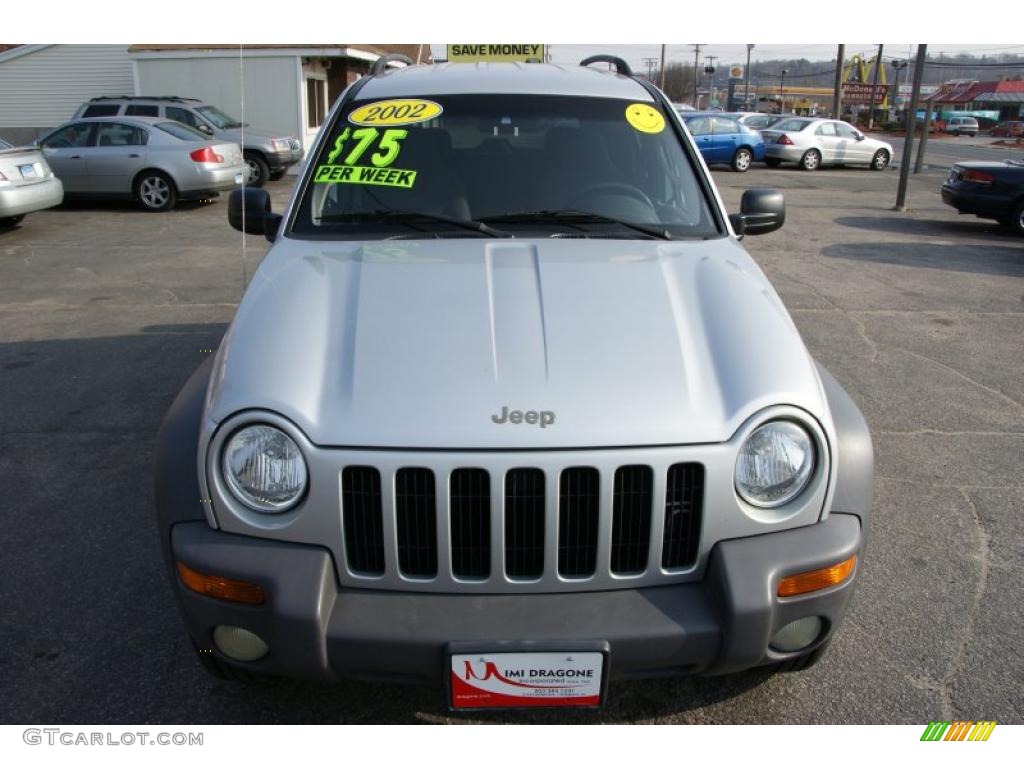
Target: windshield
{"points": [[791, 125], [4, 144], [218, 118], [528, 166], [182, 131]]}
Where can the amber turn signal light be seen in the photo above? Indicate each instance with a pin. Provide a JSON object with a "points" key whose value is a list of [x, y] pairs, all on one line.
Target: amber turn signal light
{"points": [[812, 581], [221, 587]]}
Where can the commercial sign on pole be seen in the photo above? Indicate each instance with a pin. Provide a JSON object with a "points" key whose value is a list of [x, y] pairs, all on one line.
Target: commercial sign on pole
{"points": [[496, 52], [860, 93]]}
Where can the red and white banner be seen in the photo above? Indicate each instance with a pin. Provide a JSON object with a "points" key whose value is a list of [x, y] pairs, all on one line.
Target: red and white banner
{"points": [[499, 680]]}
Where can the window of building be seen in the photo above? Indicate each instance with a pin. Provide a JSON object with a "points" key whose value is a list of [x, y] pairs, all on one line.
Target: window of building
{"points": [[316, 102]]}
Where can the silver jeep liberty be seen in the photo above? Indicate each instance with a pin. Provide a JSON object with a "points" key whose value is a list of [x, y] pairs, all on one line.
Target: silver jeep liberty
{"points": [[508, 409]]}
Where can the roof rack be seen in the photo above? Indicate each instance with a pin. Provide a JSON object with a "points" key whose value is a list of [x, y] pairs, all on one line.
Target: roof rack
{"points": [[603, 58], [141, 98], [381, 64]]}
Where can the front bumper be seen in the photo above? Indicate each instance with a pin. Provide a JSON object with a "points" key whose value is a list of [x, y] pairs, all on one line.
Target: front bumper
{"points": [[281, 160], [319, 631], [15, 201]]}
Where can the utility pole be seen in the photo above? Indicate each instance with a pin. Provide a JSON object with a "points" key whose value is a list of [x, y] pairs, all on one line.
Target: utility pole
{"points": [[662, 78], [650, 62], [908, 141], [874, 86], [696, 64], [782, 92], [924, 137], [709, 69], [746, 84], [837, 96]]}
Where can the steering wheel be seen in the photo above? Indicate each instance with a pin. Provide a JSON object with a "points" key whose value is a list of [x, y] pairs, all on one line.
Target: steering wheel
{"points": [[612, 188]]}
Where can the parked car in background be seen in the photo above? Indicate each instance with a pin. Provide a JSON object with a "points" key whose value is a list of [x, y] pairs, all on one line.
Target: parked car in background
{"points": [[154, 160], [27, 183], [812, 142], [682, 107], [959, 125], [723, 139], [758, 120], [989, 190], [268, 153], [1009, 129]]}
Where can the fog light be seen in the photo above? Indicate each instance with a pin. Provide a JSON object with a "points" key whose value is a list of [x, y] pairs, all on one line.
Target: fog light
{"points": [[239, 644], [797, 634]]}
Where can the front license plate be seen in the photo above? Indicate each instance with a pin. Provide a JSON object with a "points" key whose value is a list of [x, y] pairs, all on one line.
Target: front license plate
{"points": [[526, 680], [28, 171]]}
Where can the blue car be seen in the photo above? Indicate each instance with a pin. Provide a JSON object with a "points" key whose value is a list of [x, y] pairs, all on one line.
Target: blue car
{"points": [[722, 139]]}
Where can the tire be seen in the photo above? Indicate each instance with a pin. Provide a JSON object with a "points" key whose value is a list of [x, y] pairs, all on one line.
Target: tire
{"points": [[155, 192], [956, 134], [808, 660], [279, 174], [880, 160], [772, 162], [741, 160], [221, 669], [1016, 220], [259, 171], [811, 161], [11, 221]]}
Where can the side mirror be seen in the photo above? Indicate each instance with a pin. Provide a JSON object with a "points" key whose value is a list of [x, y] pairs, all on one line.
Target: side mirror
{"points": [[762, 210], [257, 219], [206, 129], [860, 137]]}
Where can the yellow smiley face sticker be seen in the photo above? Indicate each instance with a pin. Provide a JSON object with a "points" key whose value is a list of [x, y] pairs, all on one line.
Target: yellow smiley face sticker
{"points": [[645, 118]]}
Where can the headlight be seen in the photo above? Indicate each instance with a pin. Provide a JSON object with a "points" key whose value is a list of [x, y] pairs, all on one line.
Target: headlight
{"points": [[282, 145], [264, 468], [775, 464]]}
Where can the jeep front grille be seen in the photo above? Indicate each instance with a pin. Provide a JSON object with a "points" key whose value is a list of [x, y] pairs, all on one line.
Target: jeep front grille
{"points": [[573, 527], [470, 508], [416, 522], [364, 529], [684, 499], [524, 523]]}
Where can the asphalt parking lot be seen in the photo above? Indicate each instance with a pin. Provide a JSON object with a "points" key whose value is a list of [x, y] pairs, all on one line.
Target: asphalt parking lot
{"points": [[105, 311]]}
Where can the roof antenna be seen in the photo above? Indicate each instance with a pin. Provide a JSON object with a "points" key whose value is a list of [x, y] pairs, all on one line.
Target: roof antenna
{"points": [[245, 173]]}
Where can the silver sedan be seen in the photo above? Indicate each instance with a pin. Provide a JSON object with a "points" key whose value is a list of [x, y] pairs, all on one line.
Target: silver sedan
{"points": [[155, 161], [812, 142], [27, 183]]}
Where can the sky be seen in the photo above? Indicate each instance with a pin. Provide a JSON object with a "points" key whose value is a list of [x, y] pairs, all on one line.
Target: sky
{"points": [[736, 53]]}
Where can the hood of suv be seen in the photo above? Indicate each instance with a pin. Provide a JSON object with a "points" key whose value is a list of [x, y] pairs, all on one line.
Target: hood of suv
{"points": [[252, 135], [436, 344]]}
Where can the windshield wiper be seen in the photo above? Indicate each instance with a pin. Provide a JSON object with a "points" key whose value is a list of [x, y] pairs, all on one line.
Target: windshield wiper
{"points": [[571, 218], [411, 218]]}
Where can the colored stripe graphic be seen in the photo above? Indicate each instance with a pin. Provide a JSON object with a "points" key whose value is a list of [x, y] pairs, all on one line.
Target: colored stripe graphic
{"points": [[958, 730]]}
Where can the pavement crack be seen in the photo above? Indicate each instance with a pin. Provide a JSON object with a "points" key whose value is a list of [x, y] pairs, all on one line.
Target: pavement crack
{"points": [[965, 377], [956, 668]]}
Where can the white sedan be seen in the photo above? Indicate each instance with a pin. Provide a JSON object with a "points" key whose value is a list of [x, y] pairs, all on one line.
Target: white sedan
{"points": [[26, 183], [812, 142]]}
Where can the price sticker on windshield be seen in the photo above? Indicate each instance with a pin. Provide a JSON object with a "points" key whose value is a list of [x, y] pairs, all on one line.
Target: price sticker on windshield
{"points": [[395, 112]]}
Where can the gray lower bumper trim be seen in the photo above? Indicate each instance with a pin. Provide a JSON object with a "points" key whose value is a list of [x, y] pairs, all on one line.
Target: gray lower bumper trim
{"points": [[317, 630]]}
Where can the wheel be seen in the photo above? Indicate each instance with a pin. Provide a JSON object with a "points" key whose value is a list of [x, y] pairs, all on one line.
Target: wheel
{"points": [[772, 162], [155, 191], [221, 669], [741, 160], [811, 160], [956, 133], [1016, 220], [880, 161], [259, 171], [275, 175], [808, 660], [11, 221]]}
